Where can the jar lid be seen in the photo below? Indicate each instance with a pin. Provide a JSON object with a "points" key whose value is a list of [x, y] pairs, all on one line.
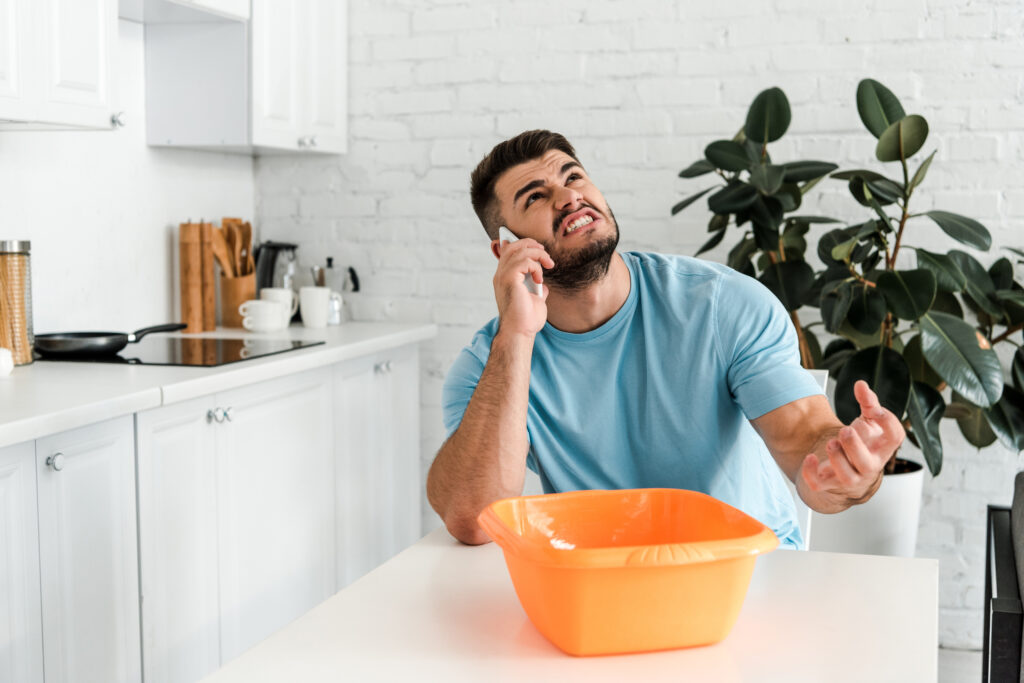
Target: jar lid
{"points": [[15, 246]]}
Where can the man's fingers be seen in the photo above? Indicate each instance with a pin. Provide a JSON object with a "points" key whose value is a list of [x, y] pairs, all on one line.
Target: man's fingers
{"points": [[857, 453], [845, 474], [867, 399], [809, 471]]}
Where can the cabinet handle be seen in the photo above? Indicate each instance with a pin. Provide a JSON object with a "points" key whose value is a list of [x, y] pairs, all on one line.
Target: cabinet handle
{"points": [[227, 414], [303, 142], [383, 367], [212, 415], [312, 141], [387, 366], [117, 120], [56, 461]]}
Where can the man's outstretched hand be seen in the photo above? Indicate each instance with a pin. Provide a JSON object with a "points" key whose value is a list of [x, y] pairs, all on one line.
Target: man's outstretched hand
{"points": [[851, 470]]}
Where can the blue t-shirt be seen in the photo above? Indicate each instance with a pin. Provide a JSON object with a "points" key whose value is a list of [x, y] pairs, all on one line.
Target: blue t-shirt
{"points": [[661, 394]]}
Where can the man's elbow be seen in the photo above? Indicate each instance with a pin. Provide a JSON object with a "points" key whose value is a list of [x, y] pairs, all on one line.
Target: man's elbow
{"points": [[466, 530]]}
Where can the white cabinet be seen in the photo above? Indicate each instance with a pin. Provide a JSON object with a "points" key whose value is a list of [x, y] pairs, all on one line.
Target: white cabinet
{"points": [[230, 9], [21, 634], [236, 509], [88, 555], [276, 84], [377, 442], [56, 63]]}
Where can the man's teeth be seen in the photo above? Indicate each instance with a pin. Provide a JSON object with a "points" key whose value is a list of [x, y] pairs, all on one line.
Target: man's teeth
{"points": [[579, 223]]}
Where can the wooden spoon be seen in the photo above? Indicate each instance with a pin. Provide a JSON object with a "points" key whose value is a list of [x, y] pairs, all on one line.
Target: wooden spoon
{"points": [[222, 254], [248, 264]]}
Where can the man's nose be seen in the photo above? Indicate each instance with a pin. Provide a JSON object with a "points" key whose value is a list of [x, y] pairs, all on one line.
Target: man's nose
{"points": [[567, 198]]}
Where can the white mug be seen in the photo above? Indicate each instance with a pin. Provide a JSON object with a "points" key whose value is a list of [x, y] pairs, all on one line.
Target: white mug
{"points": [[285, 295], [313, 303], [263, 316]]}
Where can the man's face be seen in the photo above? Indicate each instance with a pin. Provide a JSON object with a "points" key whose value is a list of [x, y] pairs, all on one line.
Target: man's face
{"points": [[552, 200]]}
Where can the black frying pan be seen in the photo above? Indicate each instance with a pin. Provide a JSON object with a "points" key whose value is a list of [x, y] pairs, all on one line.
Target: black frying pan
{"points": [[91, 344]]}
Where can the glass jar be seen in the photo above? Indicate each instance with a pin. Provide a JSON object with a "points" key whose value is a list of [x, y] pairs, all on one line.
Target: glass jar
{"points": [[16, 300]]}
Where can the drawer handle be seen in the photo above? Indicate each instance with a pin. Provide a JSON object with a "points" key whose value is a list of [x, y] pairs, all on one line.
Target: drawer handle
{"points": [[56, 462], [218, 415], [382, 368]]}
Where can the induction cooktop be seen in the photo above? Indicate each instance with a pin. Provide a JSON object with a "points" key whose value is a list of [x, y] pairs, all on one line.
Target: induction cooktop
{"points": [[205, 352]]}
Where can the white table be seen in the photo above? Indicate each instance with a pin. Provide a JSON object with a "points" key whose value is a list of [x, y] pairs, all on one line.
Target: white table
{"points": [[447, 612]]}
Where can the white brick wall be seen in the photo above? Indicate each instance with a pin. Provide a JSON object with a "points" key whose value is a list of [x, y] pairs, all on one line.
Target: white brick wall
{"points": [[640, 88]]}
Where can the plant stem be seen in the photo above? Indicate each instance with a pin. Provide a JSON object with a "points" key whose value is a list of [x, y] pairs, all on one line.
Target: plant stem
{"points": [[860, 278], [806, 359], [887, 330], [890, 262], [1007, 333]]}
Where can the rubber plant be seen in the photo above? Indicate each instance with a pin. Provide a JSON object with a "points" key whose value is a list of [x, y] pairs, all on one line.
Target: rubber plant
{"points": [[912, 333], [763, 198]]}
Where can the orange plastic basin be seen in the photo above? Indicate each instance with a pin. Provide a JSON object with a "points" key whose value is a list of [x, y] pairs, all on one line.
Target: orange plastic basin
{"points": [[634, 570]]}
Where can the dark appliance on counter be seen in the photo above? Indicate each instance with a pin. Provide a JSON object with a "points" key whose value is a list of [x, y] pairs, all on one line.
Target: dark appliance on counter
{"points": [[275, 265], [195, 351]]}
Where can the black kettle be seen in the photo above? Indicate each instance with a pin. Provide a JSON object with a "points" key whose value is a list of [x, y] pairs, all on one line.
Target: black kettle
{"points": [[275, 265]]}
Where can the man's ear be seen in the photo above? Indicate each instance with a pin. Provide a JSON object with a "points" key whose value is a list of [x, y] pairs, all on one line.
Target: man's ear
{"points": [[496, 248]]}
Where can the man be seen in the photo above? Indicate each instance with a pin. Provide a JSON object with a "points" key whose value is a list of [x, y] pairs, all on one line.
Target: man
{"points": [[633, 370]]}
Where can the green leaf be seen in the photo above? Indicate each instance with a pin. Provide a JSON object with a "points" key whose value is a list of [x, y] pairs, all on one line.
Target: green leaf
{"points": [[965, 230], [886, 373], [1018, 252], [902, 139], [690, 200], [733, 197], [790, 197], [739, 255], [962, 357], [908, 293], [948, 277], [921, 171], [767, 177], [789, 281], [727, 155], [1018, 369], [814, 219], [977, 283], [1001, 273], [972, 423], [711, 243], [697, 168], [877, 106], [719, 221], [867, 309], [925, 409], [1012, 295], [1006, 418], [842, 251], [768, 117], [767, 212], [836, 305], [799, 171], [829, 241], [919, 368], [946, 302]]}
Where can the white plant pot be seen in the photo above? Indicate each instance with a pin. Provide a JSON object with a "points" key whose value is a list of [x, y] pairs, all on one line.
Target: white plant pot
{"points": [[885, 525]]}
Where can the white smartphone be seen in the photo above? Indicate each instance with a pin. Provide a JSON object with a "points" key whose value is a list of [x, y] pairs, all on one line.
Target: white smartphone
{"points": [[506, 234]]}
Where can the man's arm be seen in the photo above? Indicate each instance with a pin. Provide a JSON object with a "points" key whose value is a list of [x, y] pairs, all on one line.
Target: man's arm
{"points": [[484, 460], [833, 466]]}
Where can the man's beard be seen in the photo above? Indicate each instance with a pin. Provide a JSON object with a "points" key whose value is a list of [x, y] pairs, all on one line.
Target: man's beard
{"points": [[578, 269]]}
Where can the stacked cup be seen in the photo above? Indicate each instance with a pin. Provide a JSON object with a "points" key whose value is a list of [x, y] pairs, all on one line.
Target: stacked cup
{"points": [[264, 315]]}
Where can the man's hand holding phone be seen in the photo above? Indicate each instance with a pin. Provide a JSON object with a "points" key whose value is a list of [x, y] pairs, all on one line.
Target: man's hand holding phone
{"points": [[521, 311]]}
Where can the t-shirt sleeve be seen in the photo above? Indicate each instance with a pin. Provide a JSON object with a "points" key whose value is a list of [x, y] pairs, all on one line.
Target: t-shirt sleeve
{"points": [[759, 347], [459, 385]]}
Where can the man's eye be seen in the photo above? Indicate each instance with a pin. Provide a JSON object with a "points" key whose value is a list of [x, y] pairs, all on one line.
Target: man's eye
{"points": [[535, 195], [573, 177]]}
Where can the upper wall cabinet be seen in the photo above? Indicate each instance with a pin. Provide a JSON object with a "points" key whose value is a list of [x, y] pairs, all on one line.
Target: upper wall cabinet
{"points": [[277, 84], [55, 63]]}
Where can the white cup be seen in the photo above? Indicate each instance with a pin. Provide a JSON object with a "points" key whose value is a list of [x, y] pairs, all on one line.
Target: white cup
{"points": [[313, 303], [286, 295], [263, 316]]}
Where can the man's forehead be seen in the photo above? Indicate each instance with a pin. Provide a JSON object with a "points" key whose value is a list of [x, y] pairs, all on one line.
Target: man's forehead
{"points": [[520, 174]]}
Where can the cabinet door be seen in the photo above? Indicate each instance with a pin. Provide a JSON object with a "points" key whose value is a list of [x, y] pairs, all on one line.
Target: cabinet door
{"points": [[400, 405], [276, 50], [88, 553], [377, 446], [324, 76], [21, 635], [18, 99], [77, 45], [177, 467], [276, 503]]}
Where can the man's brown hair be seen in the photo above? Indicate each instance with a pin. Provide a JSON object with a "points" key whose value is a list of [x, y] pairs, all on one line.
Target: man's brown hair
{"points": [[533, 144]]}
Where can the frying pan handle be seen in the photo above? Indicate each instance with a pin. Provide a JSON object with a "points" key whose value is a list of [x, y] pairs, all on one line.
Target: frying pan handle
{"points": [[168, 327]]}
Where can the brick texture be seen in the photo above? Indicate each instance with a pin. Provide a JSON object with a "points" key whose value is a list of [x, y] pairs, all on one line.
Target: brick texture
{"points": [[641, 88]]}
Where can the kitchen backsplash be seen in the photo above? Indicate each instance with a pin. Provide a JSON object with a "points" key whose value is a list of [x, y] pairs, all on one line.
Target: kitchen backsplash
{"points": [[102, 209]]}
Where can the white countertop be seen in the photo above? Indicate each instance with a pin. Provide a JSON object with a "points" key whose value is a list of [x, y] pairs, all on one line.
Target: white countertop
{"points": [[441, 611], [47, 397]]}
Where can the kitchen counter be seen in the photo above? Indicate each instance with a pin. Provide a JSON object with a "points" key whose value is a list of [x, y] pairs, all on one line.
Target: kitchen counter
{"points": [[49, 397], [441, 611]]}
